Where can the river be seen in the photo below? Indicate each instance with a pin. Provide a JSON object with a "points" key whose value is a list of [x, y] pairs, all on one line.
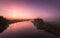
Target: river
{"points": [[25, 29]]}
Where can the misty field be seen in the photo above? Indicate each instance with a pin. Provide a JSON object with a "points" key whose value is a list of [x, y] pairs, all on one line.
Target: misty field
{"points": [[53, 27]]}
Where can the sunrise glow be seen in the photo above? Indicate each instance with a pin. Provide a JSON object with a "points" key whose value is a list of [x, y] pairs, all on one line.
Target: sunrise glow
{"points": [[28, 10], [14, 13]]}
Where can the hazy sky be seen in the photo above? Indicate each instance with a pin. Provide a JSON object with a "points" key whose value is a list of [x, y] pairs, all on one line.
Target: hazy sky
{"points": [[46, 9]]}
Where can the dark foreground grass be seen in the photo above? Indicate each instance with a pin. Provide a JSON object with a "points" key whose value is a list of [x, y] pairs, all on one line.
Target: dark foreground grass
{"points": [[53, 27]]}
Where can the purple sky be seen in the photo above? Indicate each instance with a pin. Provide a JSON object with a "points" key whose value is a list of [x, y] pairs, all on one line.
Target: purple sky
{"points": [[46, 9]]}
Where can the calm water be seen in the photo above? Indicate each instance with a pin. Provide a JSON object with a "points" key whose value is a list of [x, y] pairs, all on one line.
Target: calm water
{"points": [[22, 29]]}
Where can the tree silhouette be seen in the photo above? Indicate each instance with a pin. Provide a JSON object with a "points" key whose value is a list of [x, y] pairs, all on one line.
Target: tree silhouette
{"points": [[39, 23], [3, 23]]}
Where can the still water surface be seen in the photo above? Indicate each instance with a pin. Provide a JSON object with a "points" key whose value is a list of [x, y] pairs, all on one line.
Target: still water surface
{"points": [[24, 28]]}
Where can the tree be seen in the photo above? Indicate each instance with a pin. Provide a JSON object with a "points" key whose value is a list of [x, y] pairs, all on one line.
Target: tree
{"points": [[39, 23], [3, 23]]}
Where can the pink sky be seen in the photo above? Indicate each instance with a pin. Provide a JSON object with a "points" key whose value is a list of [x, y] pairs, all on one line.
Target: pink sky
{"points": [[29, 9]]}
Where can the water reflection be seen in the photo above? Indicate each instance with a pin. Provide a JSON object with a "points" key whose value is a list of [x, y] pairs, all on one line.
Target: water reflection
{"points": [[21, 29]]}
